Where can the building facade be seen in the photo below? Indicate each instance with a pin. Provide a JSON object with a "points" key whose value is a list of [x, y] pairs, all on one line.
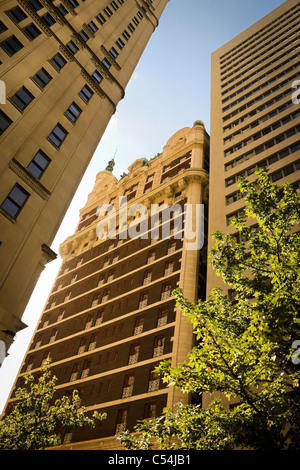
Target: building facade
{"points": [[64, 67], [255, 121], [111, 316]]}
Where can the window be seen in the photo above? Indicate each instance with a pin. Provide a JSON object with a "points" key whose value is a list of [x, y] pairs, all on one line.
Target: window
{"points": [[139, 325], [126, 35], [22, 98], [108, 11], [5, 122], [92, 27], [100, 18], [2, 27], [32, 31], [73, 112], [114, 5], [48, 19], [120, 43], [114, 54], [97, 77], [15, 201], [38, 164], [58, 61], [83, 35], [72, 47], [36, 4], [62, 9], [86, 93], [150, 410], [73, 3], [17, 14], [58, 135], [42, 78], [106, 63], [11, 45]]}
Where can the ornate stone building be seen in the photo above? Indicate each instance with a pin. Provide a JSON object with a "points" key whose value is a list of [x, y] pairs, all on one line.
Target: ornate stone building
{"points": [[64, 67], [111, 316]]}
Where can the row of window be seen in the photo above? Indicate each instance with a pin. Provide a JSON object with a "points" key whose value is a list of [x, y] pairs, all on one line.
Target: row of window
{"points": [[254, 90], [280, 64], [263, 133], [270, 28], [275, 176], [270, 160], [266, 162], [257, 56], [88, 343]]}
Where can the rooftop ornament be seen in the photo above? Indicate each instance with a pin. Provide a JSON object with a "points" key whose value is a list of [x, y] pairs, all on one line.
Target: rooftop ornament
{"points": [[199, 123]]}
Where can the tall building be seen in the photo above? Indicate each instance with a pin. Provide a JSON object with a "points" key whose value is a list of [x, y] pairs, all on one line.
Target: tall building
{"points": [[254, 120], [64, 66], [111, 317]]}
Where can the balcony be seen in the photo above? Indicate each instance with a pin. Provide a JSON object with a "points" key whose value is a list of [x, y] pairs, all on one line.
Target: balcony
{"points": [[133, 359], [159, 351], [165, 295], [143, 303], [127, 392], [138, 330], [153, 385], [81, 350], [74, 376], [162, 321], [85, 373], [92, 346], [121, 427]]}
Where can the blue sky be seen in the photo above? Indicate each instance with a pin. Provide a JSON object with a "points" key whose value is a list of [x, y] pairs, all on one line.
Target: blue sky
{"points": [[169, 90]]}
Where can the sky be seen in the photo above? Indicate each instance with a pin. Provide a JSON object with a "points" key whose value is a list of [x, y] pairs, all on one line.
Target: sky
{"points": [[169, 90]]}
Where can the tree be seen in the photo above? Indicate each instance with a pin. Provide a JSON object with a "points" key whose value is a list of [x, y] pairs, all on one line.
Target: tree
{"points": [[245, 341], [36, 420]]}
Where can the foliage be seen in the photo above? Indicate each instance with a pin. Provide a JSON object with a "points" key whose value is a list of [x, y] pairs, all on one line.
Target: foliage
{"points": [[244, 350], [36, 420]]}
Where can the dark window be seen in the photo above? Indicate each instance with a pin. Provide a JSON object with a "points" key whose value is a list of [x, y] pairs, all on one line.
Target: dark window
{"points": [[120, 43], [73, 3], [58, 61], [106, 63], [86, 93], [108, 11], [73, 112], [62, 9], [58, 135], [36, 4], [114, 54], [92, 27], [11, 45], [17, 14], [126, 35], [72, 47], [15, 201], [5, 122], [48, 19], [97, 76], [100, 18], [83, 35], [42, 77], [22, 98], [38, 164], [2, 27]]}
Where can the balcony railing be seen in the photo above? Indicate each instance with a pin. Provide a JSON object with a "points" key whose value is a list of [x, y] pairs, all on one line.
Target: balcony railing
{"points": [[121, 427], [153, 385], [162, 321], [138, 330], [92, 346], [143, 303], [81, 349], [127, 392], [73, 376], [166, 294], [158, 351], [133, 358]]}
